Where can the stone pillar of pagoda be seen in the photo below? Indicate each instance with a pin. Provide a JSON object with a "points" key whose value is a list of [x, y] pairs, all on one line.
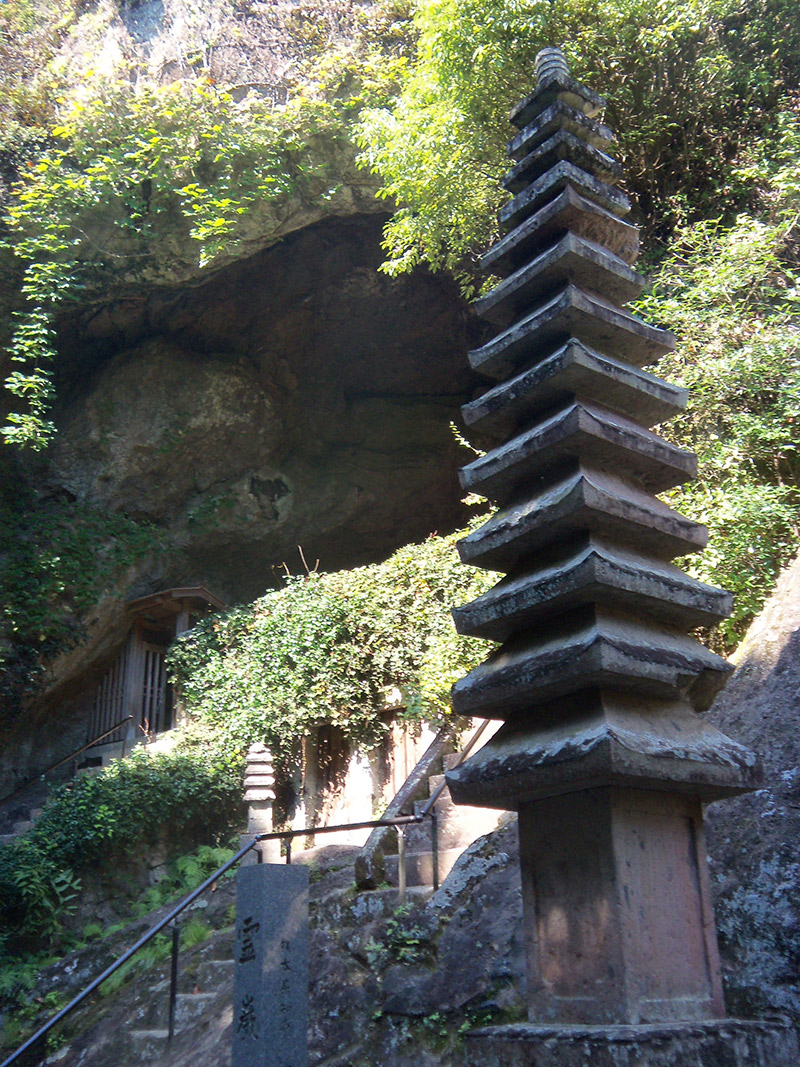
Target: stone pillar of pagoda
{"points": [[598, 680]]}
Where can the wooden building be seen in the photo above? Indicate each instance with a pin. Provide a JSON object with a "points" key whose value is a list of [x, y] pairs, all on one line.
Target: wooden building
{"points": [[136, 684]]}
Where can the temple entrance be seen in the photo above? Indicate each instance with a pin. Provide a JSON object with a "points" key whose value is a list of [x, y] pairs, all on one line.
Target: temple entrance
{"points": [[136, 682]]}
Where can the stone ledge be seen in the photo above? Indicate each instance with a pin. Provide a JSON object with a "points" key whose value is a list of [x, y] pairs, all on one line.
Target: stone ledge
{"points": [[723, 1043]]}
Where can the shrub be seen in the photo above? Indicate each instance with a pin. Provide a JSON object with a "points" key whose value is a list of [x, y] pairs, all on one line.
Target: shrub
{"points": [[92, 822], [331, 649]]}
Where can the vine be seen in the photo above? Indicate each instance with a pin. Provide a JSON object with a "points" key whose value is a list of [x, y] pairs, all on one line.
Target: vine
{"points": [[160, 167], [333, 648]]}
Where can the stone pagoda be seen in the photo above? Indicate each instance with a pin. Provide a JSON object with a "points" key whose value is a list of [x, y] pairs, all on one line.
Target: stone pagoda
{"points": [[598, 680]]}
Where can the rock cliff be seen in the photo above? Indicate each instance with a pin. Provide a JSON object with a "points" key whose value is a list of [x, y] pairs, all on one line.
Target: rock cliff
{"points": [[753, 840], [296, 398], [292, 395]]}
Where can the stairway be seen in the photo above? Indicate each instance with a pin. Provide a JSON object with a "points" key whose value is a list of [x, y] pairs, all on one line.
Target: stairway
{"points": [[18, 815], [458, 826], [203, 1004], [202, 992]]}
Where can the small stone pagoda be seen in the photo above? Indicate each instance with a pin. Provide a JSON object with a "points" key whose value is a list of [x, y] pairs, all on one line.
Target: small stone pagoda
{"points": [[598, 680]]}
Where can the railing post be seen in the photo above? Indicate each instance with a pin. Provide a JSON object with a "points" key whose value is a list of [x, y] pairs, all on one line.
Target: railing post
{"points": [[401, 864], [435, 849], [288, 850], [173, 980]]}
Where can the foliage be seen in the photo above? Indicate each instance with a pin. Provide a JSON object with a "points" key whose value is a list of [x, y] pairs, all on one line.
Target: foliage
{"points": [[154, 952], [20, 971], [92, 822], [731, 294], [30, 32], [140, 156], [406, 938], [58, 557], [184, 873], [331, 648], [694, 91], [166, 166], [686, 81]]}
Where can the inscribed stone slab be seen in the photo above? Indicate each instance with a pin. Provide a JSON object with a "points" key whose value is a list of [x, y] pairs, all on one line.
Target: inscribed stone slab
{"points": [[270, 987]]}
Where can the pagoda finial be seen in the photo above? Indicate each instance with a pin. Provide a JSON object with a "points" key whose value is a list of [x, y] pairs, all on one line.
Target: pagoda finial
{"points": [[550, 63]]}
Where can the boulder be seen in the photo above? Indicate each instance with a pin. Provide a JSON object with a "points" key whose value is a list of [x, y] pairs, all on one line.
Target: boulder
{"points": [[752, 840]]}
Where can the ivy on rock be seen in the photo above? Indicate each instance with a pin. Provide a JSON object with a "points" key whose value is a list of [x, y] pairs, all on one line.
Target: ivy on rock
{"points": [[333, 648]]}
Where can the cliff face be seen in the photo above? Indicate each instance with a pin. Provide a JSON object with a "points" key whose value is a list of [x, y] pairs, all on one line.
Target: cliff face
{"points": [[753, 839], [291, 396], [296, 398]]}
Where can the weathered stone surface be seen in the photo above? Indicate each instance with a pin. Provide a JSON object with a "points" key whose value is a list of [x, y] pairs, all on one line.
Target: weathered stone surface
{"points": [[583, 500], [587, 647], [560, 116], [477, 966], [568, 211], [587, 572], [271, 977], [727, 1043], [580, 428], [573, 370], [572, 313], [553, 181], [614, 880], [280, 390], [753, 840], [595, 739], [571, 260], [561, 145], [556, 86]]}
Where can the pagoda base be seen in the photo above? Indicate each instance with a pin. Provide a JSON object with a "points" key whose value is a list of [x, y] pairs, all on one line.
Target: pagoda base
{"points": [[720, 1043]]}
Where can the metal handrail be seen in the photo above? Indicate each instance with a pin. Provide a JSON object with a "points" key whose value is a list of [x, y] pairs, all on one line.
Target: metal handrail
{"points": [[66, 759], [399, 820], [465, 751]]}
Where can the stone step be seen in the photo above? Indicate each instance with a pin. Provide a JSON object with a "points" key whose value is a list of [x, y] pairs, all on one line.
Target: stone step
{"points": [[212, 974], [146, 1046], [446, 809], [61, 1056], [419, 867], [453, 832], [188, 1008]]}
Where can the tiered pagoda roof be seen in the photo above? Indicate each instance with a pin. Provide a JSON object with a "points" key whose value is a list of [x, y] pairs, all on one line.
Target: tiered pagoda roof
{"points": [[598, 678]]}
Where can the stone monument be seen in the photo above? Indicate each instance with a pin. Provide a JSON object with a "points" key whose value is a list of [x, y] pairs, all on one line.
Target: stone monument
{"points": [[598, 681], [259, 795], [270, 984]]}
